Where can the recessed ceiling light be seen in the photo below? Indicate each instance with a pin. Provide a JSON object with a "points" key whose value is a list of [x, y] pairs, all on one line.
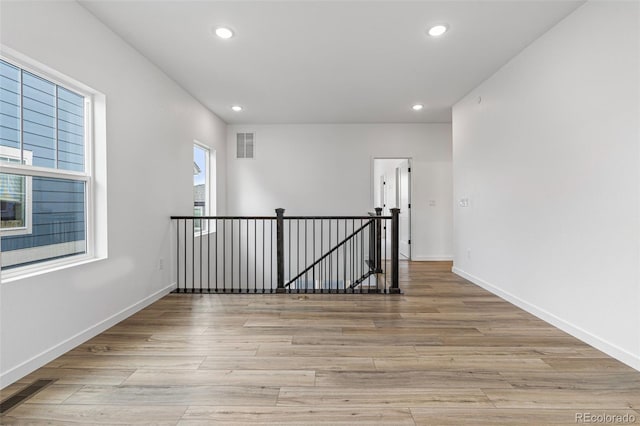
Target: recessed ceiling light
{"points": [[437, 30], [236, 108], [224, 32], [417, 107]]}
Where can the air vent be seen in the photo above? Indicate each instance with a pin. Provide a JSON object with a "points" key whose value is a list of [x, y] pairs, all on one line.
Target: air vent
{"points": [[24, 394], [245, 145]]}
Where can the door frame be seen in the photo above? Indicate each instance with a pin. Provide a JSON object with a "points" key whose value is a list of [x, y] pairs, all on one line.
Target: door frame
{"points": [[372, 179]]}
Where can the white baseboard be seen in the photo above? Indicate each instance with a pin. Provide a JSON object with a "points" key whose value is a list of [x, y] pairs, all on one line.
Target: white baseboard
{"points": [[614, 351], [432, 258], [30, 365]]}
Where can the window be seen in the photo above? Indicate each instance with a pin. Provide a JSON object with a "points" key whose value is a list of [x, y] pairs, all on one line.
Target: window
{"points": [[201, 188], [45, 181]]}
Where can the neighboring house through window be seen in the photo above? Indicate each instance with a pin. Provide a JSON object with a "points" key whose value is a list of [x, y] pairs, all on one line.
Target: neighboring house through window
{"points": [[15, 195]]}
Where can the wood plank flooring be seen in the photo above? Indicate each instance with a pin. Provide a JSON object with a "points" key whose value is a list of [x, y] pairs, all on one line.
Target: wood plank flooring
{"points": [[444, 352]]}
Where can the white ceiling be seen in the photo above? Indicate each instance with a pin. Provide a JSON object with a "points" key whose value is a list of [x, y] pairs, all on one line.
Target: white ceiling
{"points": [[330, 61]]}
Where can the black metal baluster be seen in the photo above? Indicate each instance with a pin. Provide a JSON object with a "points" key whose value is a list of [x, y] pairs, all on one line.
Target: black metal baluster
{"points": [[354, 255], [313, 270], [361, 255], [322, 273], [379, 240], [239, 255], [217, 251], [319, 267], [344, 256], [248, 283], [333, 262], [385, 254], [224, 255], [193, 255], [306, 262], [329, 274], [271, 251], [356, 250], [321, 264], [255, 256], [394, 251], [280, 254], [337, 258], [201, 255], [354, 240], [231, 265], [178, 255], [298, 251], [208, 255], [337, 253], [263, 264], [327, 269], [289, 255], [370, 260]]}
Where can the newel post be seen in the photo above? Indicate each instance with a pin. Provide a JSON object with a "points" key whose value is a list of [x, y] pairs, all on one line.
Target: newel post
{"points": [[378, 266], [280, 249], [395, 235]]}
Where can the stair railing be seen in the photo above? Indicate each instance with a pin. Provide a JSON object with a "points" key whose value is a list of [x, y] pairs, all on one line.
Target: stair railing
{"points": [[287, 254]]}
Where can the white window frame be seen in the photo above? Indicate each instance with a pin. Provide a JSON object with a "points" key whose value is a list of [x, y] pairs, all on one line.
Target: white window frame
{"points": [[20, 61], [207, 187]]}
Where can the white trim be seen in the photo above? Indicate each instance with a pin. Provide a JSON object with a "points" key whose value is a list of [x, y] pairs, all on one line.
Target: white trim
{"points": [[213, 182], [43, 172], [47, 266], [16, 373], [441, 258], [32, 66], [632, 360], [49, 251]]}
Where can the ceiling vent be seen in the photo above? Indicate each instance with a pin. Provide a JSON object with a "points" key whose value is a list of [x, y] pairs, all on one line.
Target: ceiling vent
{"points": [[245, 145]]}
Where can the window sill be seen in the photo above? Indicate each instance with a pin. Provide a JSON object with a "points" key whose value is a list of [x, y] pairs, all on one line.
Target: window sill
{"points": [[45, 268], [204, 233]]}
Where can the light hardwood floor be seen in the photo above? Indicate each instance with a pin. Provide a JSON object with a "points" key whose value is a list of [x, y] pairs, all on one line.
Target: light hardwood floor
{"points": [[445, 352]]}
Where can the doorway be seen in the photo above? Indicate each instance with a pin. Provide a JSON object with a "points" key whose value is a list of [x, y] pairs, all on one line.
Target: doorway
{"points": [[392, 189]]}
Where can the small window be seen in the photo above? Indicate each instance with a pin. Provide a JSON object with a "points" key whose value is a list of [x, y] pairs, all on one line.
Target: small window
{"points": [[201, 189]]}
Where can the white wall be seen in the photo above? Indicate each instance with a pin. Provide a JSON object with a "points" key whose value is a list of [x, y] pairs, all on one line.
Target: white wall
{"points": [[151, 125], [549, 161], [328, 170]]}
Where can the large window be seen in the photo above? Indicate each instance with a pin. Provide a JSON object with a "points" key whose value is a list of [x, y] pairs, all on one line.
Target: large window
{"points": [[45, 178]]}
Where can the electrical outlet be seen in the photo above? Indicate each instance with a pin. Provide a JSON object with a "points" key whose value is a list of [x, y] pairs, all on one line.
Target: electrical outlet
{"points": [[161, 264], [468, 253]]}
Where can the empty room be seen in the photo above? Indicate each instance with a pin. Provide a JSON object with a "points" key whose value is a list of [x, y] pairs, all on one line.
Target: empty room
{"points": [[319, 212]]}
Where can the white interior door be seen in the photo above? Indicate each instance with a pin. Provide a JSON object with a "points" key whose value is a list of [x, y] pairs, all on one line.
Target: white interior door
{"points": [[403, 196]]}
